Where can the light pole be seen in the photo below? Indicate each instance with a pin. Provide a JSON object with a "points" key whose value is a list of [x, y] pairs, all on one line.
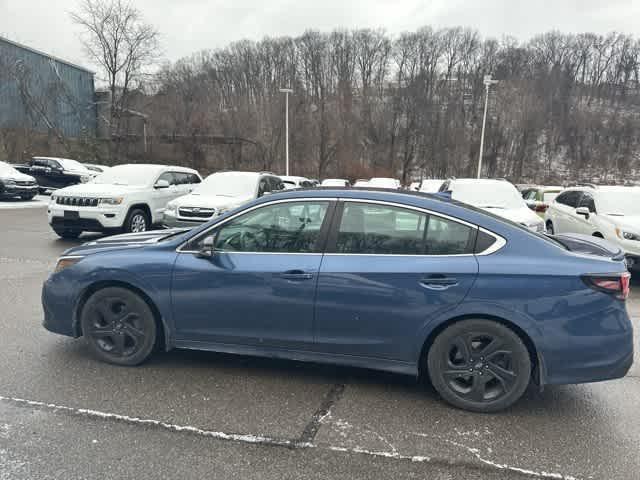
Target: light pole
{"points": [[286, 92], [488, 81]]}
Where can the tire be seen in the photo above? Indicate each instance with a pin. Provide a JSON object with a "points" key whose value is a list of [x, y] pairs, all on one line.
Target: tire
{"points": [[119, 326], [67, 234], [479, 365], [550, 229], [137, 221]]}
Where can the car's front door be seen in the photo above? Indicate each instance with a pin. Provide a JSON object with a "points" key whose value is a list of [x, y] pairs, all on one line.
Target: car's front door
{"points": [[258, 288], [387, 271], [583, 223]]}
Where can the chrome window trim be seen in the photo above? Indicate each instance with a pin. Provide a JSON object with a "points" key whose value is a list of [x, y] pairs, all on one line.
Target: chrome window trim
{"points": [[255, 207], [497, 245]]}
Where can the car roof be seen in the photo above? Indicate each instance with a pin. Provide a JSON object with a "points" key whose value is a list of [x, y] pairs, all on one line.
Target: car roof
{"points": [[486, 181]]}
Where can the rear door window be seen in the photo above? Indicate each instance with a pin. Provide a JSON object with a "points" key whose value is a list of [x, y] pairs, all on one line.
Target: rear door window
{"points": [[387, 230], [570, 199]]}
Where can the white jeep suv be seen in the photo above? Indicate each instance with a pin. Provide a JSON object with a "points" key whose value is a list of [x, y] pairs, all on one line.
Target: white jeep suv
{"points": [[129, 198], [612, 213]]}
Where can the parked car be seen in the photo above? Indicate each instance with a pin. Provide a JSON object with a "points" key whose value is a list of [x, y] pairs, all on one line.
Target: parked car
{"points": [[538, 198], [414, 186], [14, 184], [612, 213], [334, 182], [296, 182], [379, 182], [430, 185], [52, 173], [95, 169], [129, 198], [361, 183], [392, 281], [217, 194], [497, 196]]}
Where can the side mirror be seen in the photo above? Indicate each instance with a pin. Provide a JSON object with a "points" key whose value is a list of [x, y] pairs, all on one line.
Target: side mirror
{"points": [[207, 250], [584, 211], [161, 184]]}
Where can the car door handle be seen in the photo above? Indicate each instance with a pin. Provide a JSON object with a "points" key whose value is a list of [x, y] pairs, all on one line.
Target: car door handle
{"points": [[296, 275], [438, 282]]}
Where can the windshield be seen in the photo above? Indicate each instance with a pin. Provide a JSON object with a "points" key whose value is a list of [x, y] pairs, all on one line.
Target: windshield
{"points": [[228, 185], [619, 202], [127, 175], [501, 195], [6, 169]]}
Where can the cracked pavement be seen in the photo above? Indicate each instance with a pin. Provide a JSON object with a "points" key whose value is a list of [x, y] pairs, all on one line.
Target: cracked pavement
{"points": [[64, 415]]}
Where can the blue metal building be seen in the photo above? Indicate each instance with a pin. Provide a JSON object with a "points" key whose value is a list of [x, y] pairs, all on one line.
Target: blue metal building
{"points": [[41, 92]]}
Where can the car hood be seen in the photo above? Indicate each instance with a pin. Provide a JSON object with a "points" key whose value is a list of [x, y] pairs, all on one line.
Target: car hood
{"points": [[522, 215], [98, 190], [210, 201], [629, 222], [17, 176], [127, 240]]}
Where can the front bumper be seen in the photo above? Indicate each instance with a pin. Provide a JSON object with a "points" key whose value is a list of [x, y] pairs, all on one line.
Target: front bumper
{"points": [[19, 190], [57, 305], [171, 221], [92, 219]]}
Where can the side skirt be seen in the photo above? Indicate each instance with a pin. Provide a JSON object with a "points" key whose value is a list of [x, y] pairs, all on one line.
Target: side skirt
{"points": [[394, 366]]}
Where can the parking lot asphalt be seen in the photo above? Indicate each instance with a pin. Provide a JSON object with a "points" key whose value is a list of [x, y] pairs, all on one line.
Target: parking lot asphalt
{"points": [[195, 414]]}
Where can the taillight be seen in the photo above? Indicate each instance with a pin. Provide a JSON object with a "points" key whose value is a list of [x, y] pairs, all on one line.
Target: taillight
{"points": [[542, 207], [614, 284]]}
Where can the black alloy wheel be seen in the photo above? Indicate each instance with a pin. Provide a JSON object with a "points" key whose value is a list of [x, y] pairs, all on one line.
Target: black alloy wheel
{"points": [[479, 365], [119, 326]]}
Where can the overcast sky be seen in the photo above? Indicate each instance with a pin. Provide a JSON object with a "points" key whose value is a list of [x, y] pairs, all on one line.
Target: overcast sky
{"points": [[191, 25]]}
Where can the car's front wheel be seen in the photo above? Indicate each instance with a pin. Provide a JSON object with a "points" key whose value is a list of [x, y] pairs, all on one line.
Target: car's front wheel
{"points": [[479, 365], [137, 221], [119, 326]]}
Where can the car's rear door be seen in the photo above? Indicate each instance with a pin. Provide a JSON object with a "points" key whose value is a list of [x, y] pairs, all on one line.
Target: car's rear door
{"points": [[387, 271], [259, 288]]}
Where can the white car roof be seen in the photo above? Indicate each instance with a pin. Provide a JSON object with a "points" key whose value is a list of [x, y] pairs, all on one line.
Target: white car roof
{"points": [[484, 181], [159, 168], [67, 163]]}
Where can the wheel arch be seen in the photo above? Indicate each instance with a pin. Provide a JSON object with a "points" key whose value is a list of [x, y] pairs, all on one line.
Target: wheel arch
{"points": [[141, 206], [538, 367], [598, 234], [163, 329]]}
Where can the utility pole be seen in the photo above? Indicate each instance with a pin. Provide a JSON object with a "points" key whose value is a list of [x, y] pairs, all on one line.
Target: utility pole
{"points": [[488, 81], [286, 92]]}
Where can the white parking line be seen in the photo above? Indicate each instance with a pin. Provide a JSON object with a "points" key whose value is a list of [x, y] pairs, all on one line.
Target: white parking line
{"points": [[264, 440], [38, 202]]}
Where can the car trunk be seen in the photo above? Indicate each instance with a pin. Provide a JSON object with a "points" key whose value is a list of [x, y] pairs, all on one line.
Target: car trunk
{"points": [[589, 245]]}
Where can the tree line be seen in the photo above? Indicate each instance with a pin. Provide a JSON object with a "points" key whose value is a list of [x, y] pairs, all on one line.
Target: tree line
{"points": [[366, 103]]}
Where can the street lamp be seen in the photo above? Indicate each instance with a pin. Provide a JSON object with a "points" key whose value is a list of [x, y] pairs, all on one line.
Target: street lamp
{"points": [[286, 92], [488, 81]]}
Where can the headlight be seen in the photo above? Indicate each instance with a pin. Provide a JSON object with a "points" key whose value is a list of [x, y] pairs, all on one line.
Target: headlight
{"points": [[111, 201], [171, 209], [65, 262], [9, 183], [625, 235]]}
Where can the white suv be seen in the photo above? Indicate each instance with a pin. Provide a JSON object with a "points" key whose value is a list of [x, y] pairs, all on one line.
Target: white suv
{"points": [[218, 193], [496, 196], [612, 213], [127, 198]]}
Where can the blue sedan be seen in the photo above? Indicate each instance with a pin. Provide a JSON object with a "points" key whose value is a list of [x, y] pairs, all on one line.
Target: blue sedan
{"points": [[407, 283]]}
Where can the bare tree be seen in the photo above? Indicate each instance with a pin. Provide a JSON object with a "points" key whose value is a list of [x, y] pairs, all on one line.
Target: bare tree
{"points": [[117, 39]]}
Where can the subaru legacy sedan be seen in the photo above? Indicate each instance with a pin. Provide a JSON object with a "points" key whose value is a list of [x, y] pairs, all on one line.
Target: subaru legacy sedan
{"points": [[403, 282]]}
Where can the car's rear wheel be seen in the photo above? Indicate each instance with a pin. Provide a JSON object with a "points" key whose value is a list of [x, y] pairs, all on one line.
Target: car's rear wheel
{"points": [[479, 365], [137, 221], [550, 229], [67, 234], [119, 326]]}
